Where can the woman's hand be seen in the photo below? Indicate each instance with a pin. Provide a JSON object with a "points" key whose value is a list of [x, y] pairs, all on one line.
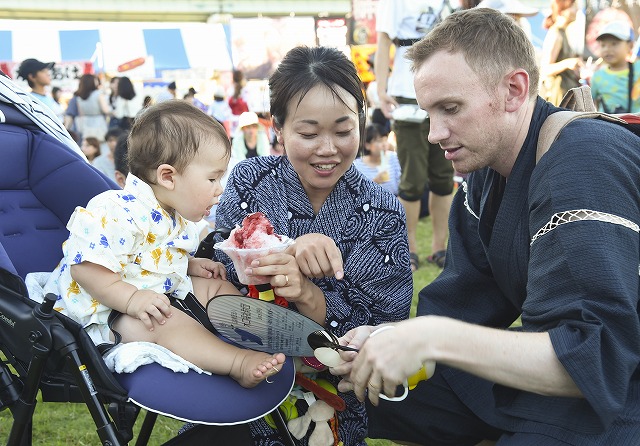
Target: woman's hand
{"points": [[317, 256], [291, 284], [207, 268], [286, 278], [147, 305]]}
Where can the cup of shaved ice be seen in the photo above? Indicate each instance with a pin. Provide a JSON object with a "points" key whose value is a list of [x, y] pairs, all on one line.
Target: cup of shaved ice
{"points": [[254, 239]]}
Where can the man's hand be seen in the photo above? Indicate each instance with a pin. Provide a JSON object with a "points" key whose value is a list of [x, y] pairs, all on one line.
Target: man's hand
{"points": [[387, 104]]}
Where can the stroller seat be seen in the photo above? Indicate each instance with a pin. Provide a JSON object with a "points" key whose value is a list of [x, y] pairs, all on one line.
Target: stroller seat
{"points": [[41, 183]]}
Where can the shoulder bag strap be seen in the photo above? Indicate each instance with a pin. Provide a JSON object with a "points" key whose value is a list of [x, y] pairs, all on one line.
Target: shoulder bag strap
{"points": [[554, 124], [630, 87], [578, 99]]}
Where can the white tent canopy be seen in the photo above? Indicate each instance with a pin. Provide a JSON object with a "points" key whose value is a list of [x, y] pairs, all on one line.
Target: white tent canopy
{"points": [[172, 46]]}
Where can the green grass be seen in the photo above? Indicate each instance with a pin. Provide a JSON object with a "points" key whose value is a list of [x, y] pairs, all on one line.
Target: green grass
{"points": [[62, 424]]}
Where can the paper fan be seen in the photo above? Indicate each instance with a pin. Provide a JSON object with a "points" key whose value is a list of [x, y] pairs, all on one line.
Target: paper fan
{"points": [[261, 325]]}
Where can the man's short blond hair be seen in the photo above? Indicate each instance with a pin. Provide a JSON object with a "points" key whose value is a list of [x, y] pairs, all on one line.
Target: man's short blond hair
{"points": [[492, 43]]}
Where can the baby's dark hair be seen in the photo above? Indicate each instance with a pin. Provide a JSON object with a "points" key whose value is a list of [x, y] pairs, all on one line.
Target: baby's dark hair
{"points": [[171, 132]]}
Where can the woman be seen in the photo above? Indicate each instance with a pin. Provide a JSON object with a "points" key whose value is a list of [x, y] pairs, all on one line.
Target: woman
{"points": [[251, 139], [126, 105], [378, 163], [350, 263], [92, 109], [560, 63]]}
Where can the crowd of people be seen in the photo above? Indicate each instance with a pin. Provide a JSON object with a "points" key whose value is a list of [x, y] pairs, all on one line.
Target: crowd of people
{"points": [[533, 322]]}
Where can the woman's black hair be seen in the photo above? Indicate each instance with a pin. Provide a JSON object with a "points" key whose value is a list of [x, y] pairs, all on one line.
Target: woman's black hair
{"points": [[305, 67]]}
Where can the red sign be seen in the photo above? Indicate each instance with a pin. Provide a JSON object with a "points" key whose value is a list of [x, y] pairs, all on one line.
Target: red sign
{"points": [[363, 13], [61, 72]]}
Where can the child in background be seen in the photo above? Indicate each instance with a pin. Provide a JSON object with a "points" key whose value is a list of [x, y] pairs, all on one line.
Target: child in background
{"points": [[378, 163], [91, 148], [129, 258], [104, 163], [612, 86]]}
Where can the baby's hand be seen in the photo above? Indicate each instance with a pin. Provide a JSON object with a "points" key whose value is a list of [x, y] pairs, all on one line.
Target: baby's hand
{"points": [[147, 305], [206, 268]]}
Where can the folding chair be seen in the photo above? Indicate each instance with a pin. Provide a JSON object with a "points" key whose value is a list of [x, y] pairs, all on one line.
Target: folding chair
{"points": [[41, 183]]}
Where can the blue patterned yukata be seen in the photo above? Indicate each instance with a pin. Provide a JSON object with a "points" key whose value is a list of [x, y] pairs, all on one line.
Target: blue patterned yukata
{"points": [[367, 224]]}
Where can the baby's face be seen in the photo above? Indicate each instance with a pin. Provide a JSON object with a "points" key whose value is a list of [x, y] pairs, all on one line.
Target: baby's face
{"points": [[198, 187]]}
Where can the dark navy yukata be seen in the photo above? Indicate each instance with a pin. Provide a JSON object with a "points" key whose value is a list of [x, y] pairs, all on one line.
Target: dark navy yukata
{"points": [[559, 244]]}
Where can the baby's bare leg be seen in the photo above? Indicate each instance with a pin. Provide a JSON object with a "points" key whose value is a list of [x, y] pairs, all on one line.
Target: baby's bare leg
{"points": [[187, 338], [207, 289], [249, 367]]}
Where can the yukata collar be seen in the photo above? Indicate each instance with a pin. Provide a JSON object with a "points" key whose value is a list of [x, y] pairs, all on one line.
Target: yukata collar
{"points": [[143, 192], [351, 177]]}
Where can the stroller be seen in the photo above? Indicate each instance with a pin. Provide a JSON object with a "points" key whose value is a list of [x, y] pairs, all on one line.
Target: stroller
{"points": [[42, 181]]}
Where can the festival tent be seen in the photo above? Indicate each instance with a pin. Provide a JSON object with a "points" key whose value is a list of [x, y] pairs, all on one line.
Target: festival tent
{"points": [[110, 45]]}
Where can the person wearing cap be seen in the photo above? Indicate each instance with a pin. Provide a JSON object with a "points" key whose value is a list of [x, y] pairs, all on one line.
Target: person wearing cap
{"points": [[38, 76], [250, 138], [612, 85], [167, 94]]}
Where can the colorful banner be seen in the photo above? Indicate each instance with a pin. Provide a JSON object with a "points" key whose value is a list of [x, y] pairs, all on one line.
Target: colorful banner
{"points": [[363, 18], [259, 44]]}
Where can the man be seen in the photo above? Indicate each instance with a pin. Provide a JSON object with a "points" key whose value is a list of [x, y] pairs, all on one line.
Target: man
{"points": [[38, 76], [403, 22], [555, 242]]}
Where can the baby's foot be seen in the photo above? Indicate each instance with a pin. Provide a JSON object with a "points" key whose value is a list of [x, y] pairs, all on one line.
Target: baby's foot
{"points": [[250, 368]]}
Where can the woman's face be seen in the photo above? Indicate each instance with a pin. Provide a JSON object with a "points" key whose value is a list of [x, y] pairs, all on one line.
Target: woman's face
{"points": [[568, 10], [321, 137]]}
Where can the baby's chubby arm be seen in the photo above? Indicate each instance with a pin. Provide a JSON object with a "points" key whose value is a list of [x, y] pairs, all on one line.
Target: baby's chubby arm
{"points": [[207, 268], [110, 290]]}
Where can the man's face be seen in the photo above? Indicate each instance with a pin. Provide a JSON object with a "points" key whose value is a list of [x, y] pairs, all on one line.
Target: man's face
{"points": [[42, 77], [466, 120]]}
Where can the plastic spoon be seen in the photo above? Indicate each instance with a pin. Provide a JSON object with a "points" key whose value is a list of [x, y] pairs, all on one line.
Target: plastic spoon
{"points": [[325, 347]]}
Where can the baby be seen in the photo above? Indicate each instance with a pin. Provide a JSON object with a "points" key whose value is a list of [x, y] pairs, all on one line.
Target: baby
{"points": [[127, 268]]}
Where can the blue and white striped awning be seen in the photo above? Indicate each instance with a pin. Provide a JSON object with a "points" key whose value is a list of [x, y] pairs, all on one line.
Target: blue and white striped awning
{"points": [[172, 46]]}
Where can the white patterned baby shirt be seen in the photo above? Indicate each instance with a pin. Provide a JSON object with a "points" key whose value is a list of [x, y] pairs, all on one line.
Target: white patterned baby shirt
{"points": [[128, 232]]}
